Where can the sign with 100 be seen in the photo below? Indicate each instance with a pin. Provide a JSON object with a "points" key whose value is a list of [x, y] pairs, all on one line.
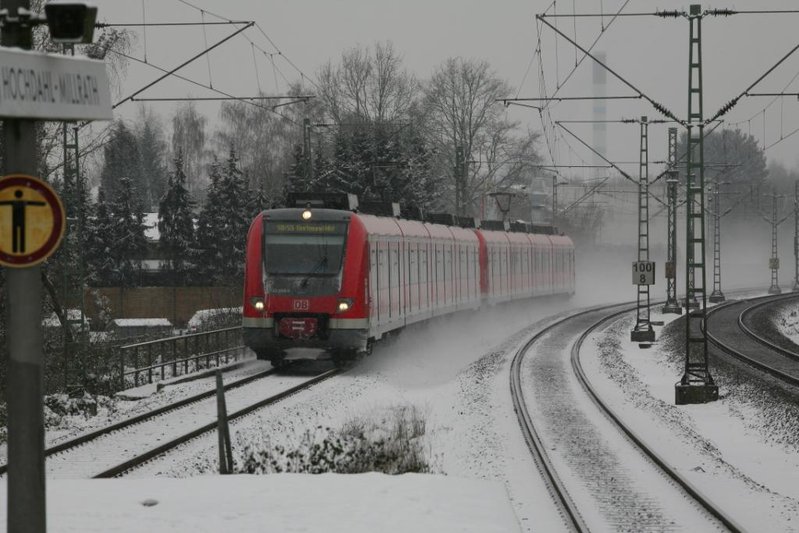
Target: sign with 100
{"points": [[643, 272]]}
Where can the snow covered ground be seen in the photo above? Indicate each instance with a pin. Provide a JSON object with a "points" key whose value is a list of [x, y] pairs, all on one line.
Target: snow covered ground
{"points": [[455, 372], [786, 320], [741, 450], [278, 503]]}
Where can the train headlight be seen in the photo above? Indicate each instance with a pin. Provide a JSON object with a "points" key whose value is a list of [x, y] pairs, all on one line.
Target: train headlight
{"points": [[344, 304], [306, 214], [258, 303]]}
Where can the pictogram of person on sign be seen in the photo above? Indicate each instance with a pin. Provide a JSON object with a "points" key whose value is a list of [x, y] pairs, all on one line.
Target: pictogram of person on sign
{"points": [[18, 208]]}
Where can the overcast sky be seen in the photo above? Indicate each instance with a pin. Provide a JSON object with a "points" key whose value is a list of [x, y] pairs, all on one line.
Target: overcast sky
{"points": [[649, 52]]}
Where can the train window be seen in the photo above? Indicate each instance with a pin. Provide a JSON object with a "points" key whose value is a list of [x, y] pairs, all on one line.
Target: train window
{"points": [[302, 263], [303, 254]]}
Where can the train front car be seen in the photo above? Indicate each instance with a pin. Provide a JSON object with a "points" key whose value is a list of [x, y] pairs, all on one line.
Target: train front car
{"points": [[305, 282]]}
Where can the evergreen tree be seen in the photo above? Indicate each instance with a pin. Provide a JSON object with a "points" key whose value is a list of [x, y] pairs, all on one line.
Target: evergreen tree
{"points": [[223, 224], [176, 222], [238, 207], [99, 243], [210, 228], [129, 243], [122, 159], [151, 161]]}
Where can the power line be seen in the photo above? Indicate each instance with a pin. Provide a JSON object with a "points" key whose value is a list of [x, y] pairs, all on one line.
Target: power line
{"points": [[301, 98], [659, 107], [218, 91], [261, 30], [169, 73], [151, 24]]}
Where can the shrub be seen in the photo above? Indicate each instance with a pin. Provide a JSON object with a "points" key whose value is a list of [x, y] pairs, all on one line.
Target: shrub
{"points": [[391, 445]]}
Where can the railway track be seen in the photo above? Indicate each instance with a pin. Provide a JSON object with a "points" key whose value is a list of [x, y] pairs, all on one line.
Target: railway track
{"points": [[729, 332], [142, 458], [144, 417], [150, 434], [593, 464]]}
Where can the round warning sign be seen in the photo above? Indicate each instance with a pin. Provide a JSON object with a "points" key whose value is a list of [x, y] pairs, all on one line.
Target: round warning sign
{"points": [[32, 220]]}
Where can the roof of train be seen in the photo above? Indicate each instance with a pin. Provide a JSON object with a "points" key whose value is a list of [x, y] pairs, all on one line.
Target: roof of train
{"points": [[414, 228]]}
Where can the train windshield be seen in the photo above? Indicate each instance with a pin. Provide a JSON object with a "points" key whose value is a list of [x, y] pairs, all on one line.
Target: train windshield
{"points": [[303, 258]]}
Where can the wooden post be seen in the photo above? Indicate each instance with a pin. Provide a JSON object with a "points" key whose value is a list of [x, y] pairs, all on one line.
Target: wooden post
{"points": [[223, 430]]}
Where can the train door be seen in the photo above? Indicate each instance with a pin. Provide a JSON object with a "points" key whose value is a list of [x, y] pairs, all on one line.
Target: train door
{"points": [[413, 278], [424, 274], [463, 277], [382, 283], [373, 283], [448, 270], [503, 269], [475, 258], [496, 282], [396, 278], [439, 277]]}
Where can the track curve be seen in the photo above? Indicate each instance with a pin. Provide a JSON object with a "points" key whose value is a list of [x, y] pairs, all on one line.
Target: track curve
{"points": [[728, 332], [591, 480]]}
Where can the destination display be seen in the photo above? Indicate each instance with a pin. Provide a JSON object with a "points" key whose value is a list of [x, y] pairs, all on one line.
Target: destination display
{"points": [[320, 228]]}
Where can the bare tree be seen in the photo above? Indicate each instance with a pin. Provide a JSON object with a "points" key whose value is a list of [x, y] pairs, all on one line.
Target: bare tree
{"points": [[368, 85], [464, 117], [263, 141], [188, 138]]}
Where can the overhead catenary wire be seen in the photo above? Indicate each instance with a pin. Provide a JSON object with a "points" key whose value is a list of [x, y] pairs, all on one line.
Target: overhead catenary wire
{"points": [[729, 105], [658, 106], [208, 54], [188, 61], [255, 65], [261, 30], [218, 91], [593, 44], [166, 24], [144, 29]]}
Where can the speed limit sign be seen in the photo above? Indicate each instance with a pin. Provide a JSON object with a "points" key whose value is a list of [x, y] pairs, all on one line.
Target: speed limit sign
{"points": [[643, 272]]}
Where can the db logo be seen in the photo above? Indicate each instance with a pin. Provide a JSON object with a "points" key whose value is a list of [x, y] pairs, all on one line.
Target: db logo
{"points": [[301, 305]]}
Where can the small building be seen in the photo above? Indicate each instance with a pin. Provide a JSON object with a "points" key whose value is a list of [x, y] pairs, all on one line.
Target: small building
{"points": [[125, 328], [73, 317]]}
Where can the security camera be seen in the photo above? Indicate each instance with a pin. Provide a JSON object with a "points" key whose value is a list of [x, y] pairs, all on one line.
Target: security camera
{"points": [[71, 21]]}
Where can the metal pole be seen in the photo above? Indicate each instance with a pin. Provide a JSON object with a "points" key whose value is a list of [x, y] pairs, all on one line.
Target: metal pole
{"points": [[306, 137], [696, 384], [774, 262], [716, 296], [796, 235], [554, 200], [643, 331], [672, 305], [26, 483]]}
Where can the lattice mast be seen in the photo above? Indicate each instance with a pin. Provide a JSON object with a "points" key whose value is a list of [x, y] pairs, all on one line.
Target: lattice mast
{"points": [[696, 384], [774, 260], [672, 305], [716, 296], [643, 331], [796, 236]]}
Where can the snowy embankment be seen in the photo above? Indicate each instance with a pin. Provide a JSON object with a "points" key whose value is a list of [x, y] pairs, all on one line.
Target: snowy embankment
{"points": [[278, 503], [786, 320], [453, 371], [741, 450]]}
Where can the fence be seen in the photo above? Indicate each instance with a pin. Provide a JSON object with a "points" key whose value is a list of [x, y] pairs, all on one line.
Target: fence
{"points": [[149, 361]]}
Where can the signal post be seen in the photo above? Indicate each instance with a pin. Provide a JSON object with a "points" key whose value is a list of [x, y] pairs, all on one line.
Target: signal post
{"points": [[32, 221]]}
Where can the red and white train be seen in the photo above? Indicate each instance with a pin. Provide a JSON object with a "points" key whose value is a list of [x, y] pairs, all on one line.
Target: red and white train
{"points": [[340, 280]]}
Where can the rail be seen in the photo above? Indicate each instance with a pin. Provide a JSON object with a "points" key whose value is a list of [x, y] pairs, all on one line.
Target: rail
{"points": [[156, 360]]}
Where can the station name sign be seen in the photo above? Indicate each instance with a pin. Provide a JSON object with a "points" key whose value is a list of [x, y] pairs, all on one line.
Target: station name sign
{"points": [[53, 87]]}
